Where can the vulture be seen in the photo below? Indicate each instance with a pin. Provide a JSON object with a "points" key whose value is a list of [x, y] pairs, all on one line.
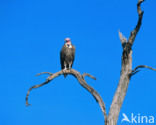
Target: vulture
{"points": [[67, 55]]}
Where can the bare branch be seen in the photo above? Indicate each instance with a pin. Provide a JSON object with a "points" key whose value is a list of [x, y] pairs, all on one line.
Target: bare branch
{"points": [[86, 74], [135, 31], [34, 87], [51, 77], [141, 66], [82, 82], [126, 70], [122, 39], [44, 73], [133, 73], [140, 12]]}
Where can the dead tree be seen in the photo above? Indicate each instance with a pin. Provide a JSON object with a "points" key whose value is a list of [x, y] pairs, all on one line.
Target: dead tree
{"points": [[126, 73], [82, 82], [126, 70]]}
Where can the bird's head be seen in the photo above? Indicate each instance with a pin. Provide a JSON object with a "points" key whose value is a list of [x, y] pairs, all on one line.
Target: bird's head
{"points": [[68, 42]]}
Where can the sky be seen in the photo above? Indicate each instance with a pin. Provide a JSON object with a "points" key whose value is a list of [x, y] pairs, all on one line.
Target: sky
{"points": [[32, 34]]}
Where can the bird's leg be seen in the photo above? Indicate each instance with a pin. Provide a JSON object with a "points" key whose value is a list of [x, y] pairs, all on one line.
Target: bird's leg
{"points": [[70, 65], [65, 67]]}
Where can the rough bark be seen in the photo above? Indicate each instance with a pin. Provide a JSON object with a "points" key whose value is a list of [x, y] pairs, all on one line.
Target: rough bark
{"points": [[80, 79], [126, 70]]}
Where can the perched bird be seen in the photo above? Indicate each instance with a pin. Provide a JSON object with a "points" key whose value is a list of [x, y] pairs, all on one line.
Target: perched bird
{"points": [[67, 55]]}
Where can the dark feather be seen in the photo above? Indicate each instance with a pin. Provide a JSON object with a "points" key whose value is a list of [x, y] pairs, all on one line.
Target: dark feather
{"points": [[67, 56]]}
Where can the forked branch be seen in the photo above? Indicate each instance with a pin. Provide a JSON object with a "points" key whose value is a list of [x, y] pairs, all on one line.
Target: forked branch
{"points": [[126, 70], [82, 82], [123, 39], [87, 74], [137, 28], [136, 69]]}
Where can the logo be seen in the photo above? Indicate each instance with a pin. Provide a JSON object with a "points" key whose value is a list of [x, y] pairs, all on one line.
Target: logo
{"points": [[137, 119]]}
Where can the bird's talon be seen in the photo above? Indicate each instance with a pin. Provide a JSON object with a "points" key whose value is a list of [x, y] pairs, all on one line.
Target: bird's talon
{"points": [[64, 70]]}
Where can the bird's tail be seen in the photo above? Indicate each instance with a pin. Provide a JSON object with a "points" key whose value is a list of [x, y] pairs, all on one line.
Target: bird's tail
{"points": [[65, 75]]}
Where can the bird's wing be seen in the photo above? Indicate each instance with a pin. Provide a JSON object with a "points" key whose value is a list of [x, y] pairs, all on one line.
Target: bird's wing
{"points": [[73, 52], [62, 57]]}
